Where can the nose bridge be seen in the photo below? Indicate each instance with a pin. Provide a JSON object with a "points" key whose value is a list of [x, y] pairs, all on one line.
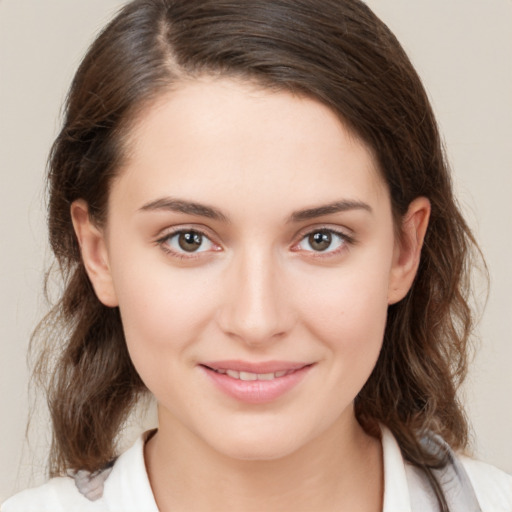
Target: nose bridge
{"points": [[255, 309]]}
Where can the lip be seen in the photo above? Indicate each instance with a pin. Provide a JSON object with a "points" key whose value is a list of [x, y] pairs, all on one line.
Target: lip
{"points": [[263, 367], [256, 391]]}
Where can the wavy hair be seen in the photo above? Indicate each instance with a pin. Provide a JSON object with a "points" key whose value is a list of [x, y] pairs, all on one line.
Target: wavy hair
{"points": [[341, 55]]}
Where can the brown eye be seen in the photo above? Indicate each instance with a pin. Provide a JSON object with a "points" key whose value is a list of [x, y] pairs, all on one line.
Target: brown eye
{"points": [[190, 241], [187, 243], [327, 241], [320, 240]]}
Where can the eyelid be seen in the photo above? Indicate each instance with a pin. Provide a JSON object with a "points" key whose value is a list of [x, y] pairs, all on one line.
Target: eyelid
{"points": [[334, 228]]}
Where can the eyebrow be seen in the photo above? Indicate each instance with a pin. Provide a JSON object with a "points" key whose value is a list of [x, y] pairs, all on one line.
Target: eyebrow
{"points": [[328, 209], [201, 210], [187, 207]]}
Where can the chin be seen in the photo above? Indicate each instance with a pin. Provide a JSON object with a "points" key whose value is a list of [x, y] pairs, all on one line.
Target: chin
{"points": [[259, 443]]}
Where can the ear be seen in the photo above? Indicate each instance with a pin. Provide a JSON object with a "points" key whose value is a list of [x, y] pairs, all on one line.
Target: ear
{"points": [[94, 253], [406, 257]]}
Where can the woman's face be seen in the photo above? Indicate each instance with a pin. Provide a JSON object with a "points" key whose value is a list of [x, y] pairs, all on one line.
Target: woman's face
{"points": [[250, 247]]}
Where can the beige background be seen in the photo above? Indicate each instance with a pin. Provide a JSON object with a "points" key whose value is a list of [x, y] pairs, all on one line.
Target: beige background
{"points": [[461, 48]]}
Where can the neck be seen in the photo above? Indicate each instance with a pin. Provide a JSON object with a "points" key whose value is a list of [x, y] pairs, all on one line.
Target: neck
{"points": [[339, 470]]}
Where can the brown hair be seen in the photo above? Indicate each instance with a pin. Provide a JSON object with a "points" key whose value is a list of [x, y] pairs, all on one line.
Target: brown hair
{"points": [[340, 54]]}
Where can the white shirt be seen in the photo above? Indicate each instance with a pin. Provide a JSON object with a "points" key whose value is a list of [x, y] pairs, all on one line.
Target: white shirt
{"points": [[127, 488]]}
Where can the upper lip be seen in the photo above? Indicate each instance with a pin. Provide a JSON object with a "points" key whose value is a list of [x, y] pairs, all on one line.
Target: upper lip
{"points": [[260, 368]]}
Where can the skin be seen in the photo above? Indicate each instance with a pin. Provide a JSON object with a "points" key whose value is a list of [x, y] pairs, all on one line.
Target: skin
{"points": [[256, 290]]}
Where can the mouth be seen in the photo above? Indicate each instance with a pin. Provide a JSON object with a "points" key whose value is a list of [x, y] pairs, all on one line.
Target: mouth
{"points": [[255, 383], [248, 376]]}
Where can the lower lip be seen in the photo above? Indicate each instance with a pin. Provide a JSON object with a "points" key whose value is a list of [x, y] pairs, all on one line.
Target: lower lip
{"points": [[256, 391]]}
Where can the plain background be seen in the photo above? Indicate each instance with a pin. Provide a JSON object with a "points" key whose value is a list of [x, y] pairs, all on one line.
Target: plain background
{"points": [[462, 50]]}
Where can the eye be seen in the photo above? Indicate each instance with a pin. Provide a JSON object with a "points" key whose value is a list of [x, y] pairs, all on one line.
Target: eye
{"points": [[322, 240], [187, 241]]}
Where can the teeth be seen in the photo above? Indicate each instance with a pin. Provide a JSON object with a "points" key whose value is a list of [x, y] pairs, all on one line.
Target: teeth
{"points": [[267, 376], [248, 376]]}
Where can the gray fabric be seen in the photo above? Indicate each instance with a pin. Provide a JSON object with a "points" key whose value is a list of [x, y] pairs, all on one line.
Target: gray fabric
{"points": [[91, 484], [452, 478]]}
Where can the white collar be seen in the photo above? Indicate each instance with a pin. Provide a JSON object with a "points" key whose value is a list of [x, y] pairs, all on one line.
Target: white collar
{"points": [[127, 488], [396, 489]]}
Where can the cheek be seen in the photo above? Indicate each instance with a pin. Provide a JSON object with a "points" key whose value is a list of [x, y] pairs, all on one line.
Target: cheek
{"points": [[348, 314], [349, 301], [163, 309]]}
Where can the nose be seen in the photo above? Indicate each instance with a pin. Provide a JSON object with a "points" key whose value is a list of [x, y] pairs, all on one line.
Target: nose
{"points": [[255, 309]]}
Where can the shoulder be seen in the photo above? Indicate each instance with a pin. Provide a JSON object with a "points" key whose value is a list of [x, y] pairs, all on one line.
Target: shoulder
{"points": [[56, 495], [124, 487], [493, 487]]}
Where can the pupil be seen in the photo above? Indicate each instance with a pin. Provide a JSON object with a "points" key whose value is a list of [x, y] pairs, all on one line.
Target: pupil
{"points": [[320, 241], [190, 241]]}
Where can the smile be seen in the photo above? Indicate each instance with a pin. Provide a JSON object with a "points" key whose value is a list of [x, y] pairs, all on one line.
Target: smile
{"points": [[253, 376], [255, 383]]}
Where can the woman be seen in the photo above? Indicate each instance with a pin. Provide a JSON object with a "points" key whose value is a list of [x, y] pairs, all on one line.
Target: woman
{"points": [[255, 221]]}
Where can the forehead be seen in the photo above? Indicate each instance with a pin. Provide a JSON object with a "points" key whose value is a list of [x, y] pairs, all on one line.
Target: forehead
{"points": [[221, 140]]}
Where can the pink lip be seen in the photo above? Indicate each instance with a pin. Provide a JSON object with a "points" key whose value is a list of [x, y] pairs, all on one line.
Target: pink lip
{"points": [[264, 367], [256, 391]]}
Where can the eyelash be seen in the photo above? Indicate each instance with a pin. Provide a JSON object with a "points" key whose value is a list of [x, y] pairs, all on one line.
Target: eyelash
{"points": [[346, 241], [163, 242]]}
